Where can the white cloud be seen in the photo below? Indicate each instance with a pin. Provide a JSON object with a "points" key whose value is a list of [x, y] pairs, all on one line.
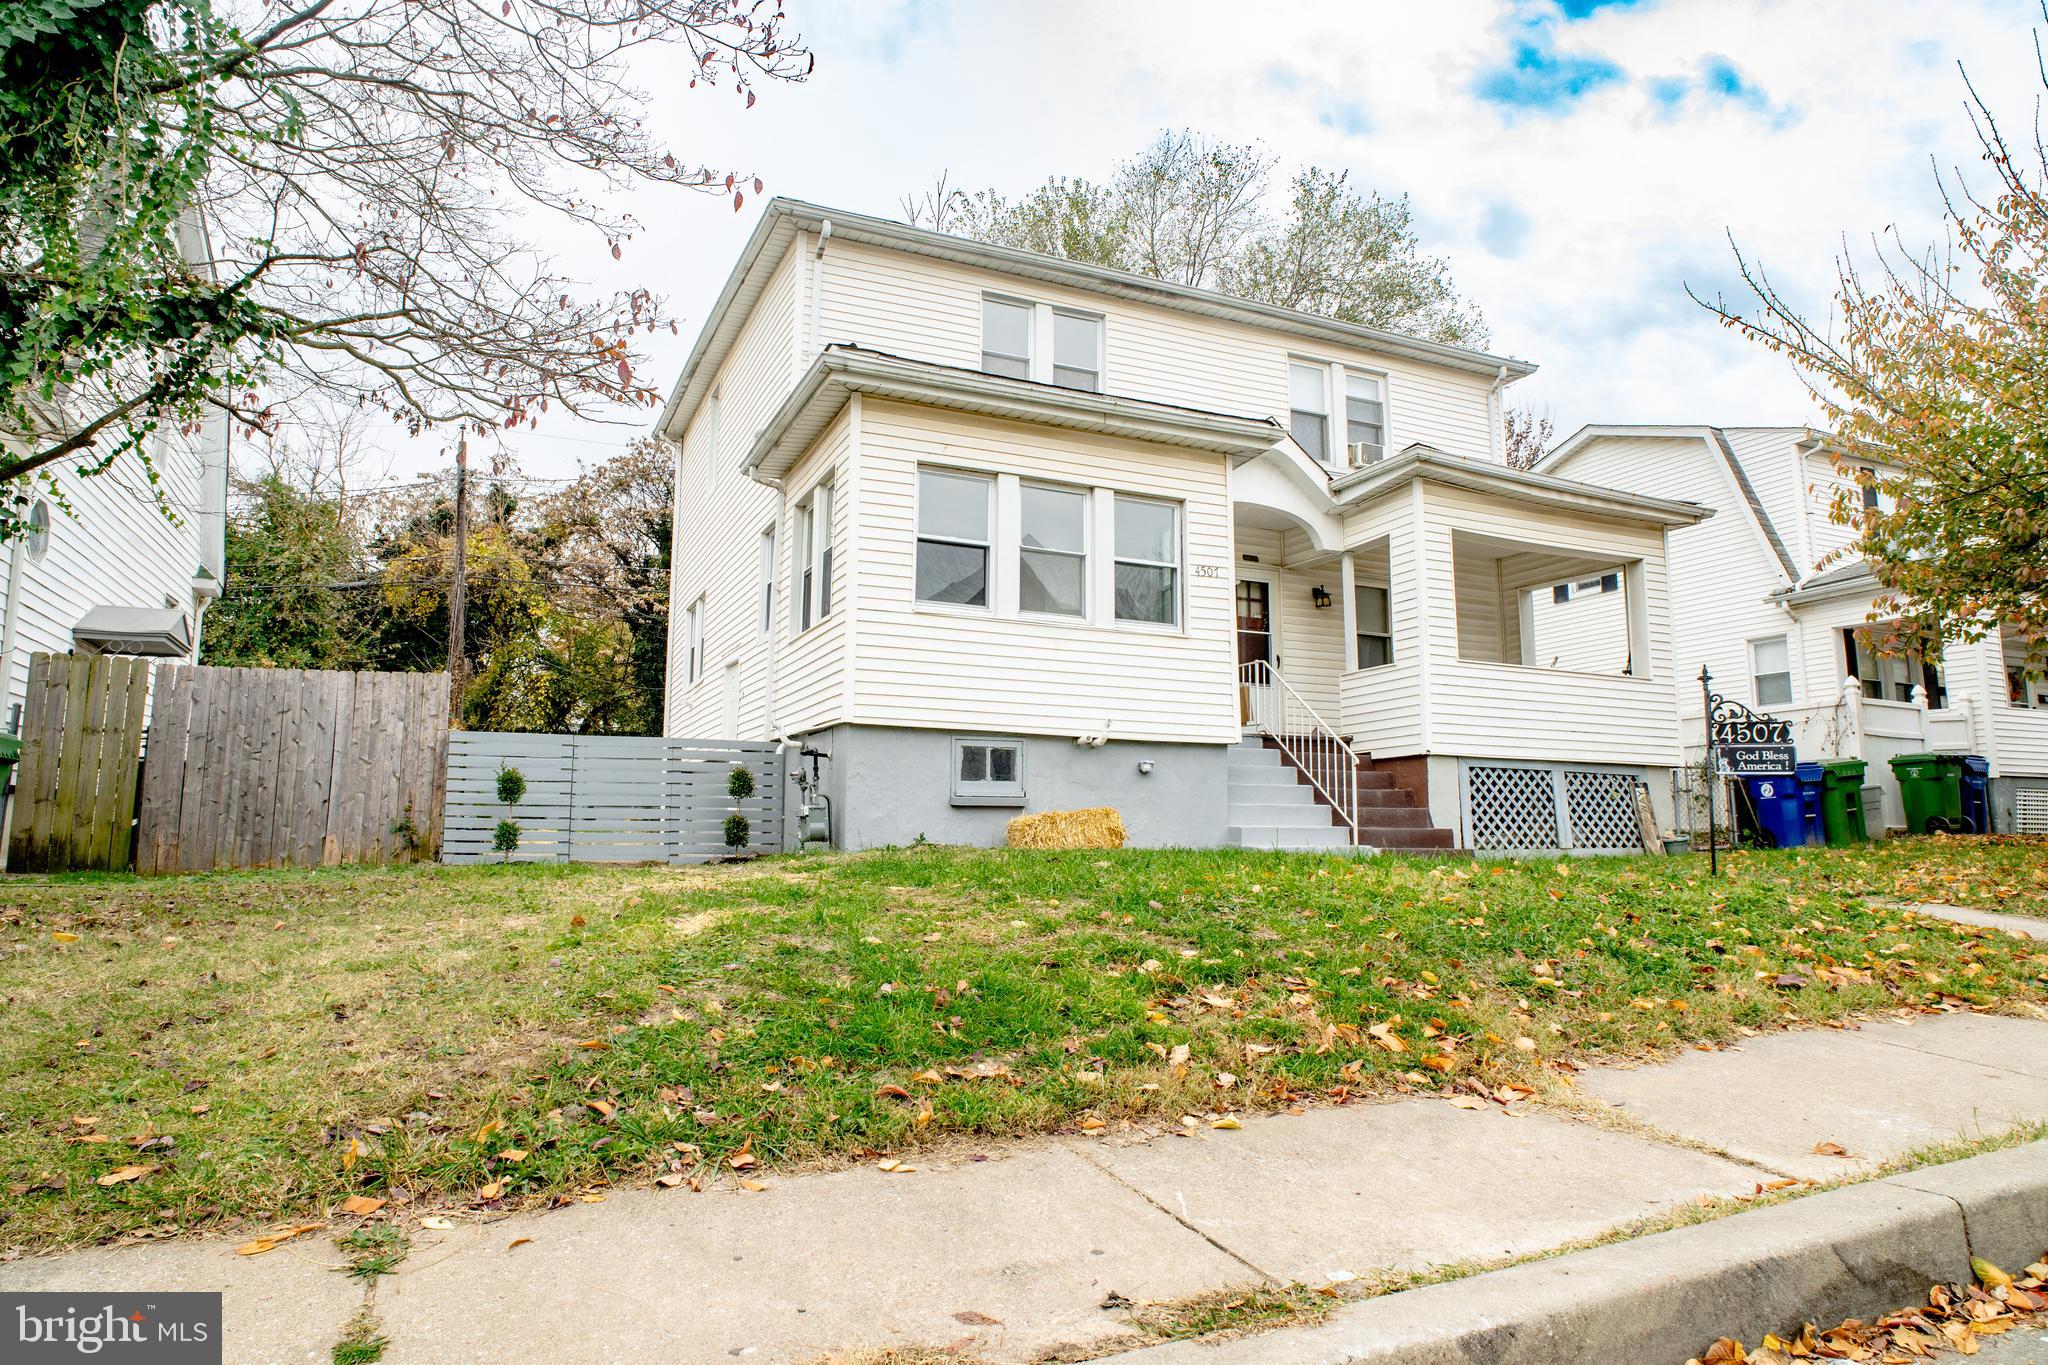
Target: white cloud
{"points": [[1575, 226]]}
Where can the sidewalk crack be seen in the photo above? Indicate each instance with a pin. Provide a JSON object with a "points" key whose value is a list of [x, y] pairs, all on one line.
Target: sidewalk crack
{"points": [[1967, 1061], [1089, 1157]]}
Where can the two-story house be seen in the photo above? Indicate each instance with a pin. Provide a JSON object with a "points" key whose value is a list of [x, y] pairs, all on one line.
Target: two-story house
{"points": [[986, 531], [1763, 597]]}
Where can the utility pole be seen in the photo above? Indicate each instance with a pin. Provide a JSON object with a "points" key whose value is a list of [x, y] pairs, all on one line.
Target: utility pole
{"points": [[458, 585]]}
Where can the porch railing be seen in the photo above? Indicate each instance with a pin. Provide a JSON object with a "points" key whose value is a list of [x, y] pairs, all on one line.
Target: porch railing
{"points": [[1277, 711]]}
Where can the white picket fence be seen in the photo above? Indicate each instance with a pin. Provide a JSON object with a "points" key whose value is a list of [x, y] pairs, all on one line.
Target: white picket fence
{"points": [[604, 798]]}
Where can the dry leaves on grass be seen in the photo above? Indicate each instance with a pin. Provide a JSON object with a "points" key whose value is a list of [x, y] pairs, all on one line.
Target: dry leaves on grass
{"points": [[1955, 1318]]}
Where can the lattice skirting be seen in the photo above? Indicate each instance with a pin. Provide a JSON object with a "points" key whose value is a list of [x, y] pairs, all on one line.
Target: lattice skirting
{"points": [[2030, 810], [1538, 807]]}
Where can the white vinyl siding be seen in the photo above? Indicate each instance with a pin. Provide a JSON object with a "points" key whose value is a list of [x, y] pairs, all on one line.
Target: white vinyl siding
{"points": [[116, 548], [719, 513], [931, 310], [1027, 673], [1722, 570], [810, 682]]}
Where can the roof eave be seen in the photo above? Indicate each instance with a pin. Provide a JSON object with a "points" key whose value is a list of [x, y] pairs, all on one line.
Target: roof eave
{"points": [[841, 372], [1542, 489]]}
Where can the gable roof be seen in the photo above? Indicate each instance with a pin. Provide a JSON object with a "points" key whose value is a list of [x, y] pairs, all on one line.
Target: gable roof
{"points": [[1716, 440], [783, 219], [843, 370]]}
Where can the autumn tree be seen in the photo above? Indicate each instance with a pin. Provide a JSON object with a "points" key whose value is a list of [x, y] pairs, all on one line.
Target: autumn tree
{"points": [[1525, 437], [1936, 362], [1198, 211], [214, 206]]}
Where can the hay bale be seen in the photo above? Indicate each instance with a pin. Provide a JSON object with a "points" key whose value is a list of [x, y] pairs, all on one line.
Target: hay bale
{"points": [[1096, 827]]}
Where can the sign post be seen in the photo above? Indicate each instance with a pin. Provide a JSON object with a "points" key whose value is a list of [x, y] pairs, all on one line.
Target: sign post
{"points": [[1749, 743]]}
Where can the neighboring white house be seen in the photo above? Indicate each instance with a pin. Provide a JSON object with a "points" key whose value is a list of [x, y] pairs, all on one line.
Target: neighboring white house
{"points": [[114, 574], [1758, 600], [987, 531]]}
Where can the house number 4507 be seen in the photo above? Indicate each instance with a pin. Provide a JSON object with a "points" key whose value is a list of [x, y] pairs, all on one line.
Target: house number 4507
{"points": [[1208, 571]]}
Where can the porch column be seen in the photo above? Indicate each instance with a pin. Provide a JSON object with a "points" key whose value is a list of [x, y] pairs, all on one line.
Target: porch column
{"points": [[1349, 586]]}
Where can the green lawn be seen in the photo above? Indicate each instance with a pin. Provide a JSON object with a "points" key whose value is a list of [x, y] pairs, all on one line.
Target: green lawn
{"points": [[268, 1044]]}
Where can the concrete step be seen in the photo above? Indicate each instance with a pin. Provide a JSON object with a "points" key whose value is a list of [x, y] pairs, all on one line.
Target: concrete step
{"points": [[1383, 797], [1392, 817], [1279, 837], [1256, 756], [1425, 837], [1263, 775], [1308, 816]]}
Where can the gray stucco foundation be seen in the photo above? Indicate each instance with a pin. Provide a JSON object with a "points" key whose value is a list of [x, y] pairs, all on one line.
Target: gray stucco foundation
{"points": [[890, 786], [2004, 797]]}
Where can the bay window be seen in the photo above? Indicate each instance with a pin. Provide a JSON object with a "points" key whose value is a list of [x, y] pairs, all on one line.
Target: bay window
{"points": [[1052, 550], [1147, 561], [953, 523]]}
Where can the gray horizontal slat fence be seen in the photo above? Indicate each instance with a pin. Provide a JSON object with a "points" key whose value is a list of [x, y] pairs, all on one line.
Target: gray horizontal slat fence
{"points": [[607, 798]]}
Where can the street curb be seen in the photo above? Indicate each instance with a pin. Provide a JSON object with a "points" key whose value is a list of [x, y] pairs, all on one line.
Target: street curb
{"points": [[1854, 1252]]}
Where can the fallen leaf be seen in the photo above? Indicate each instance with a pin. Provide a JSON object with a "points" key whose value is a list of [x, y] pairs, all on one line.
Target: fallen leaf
{"points": [[1829, 1149], [121, 1175], [1227, 1124], [437, 1224], [517, 1242], [63, 937], [489, 1128], [270, 1241], [1989, 1275], [974, 1319], [361, 1205], [754, 1185], [487, 1193]]}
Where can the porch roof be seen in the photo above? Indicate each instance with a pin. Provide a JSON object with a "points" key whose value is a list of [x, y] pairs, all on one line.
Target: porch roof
{"points": [[843, 370], [1522, 485], [1850, 580]]}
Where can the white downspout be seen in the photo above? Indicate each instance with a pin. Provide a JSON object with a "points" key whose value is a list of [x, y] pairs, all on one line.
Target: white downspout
{"points": [[1497, 438], [17, 565]]}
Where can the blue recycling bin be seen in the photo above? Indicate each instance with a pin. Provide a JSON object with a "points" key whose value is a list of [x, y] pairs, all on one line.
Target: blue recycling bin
{"points": [[1976, 784], [1780, 813], [1810, 777]]}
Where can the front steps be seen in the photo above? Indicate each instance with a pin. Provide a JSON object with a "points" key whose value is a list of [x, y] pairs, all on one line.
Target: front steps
{"points": [[1271, 806]]}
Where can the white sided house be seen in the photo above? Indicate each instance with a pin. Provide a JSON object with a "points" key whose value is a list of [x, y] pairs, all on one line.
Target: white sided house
{"points": [[1759, 597], [983, 531]]}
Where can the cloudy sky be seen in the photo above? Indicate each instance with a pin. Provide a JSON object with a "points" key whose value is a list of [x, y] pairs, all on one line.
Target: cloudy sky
{"points": [[1579, 162]]}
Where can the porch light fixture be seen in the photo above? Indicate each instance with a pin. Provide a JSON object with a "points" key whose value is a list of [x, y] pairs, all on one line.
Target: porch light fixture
{"points": [[1321, 596]]}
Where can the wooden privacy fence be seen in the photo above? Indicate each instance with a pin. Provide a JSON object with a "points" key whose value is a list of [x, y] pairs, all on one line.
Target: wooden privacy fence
{"points": [[74, 799], [605, 798], [263, 767]]}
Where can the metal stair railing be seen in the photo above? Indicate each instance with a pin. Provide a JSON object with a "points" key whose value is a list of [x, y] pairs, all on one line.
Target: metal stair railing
{"points": [[1280, 713]]}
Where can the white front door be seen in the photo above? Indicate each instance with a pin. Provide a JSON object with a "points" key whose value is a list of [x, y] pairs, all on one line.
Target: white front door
{"points": [[1258, 635]]}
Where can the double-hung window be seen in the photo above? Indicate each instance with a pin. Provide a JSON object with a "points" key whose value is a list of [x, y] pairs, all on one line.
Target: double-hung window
{"points": [[1867, 477], [1006, 328], [768, 580], [1052, 550], [1770, 671], [1365, 418], [814, 557], [1308, 408], [953, 524], [1375, 626], [1076, 350], [693, 643], [1147, 561]]}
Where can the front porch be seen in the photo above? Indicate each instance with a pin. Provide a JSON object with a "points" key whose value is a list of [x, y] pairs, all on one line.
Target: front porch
{"points": [[1465, 636]]}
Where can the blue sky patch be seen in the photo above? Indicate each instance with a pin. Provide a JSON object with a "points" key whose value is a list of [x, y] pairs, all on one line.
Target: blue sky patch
{"points": [[1347, 116], [1540, 79], [1586, 9], [1503, 229]]}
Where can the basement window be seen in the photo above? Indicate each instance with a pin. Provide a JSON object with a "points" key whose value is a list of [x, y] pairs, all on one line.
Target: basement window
{"points": [[988, 772]]}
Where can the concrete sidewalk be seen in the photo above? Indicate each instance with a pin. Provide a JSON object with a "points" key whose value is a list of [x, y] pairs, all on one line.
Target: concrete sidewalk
{"points": [[1017, 1251]]}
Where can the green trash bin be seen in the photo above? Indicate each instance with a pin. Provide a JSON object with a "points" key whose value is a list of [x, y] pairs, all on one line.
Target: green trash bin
{"points": [[1841, 801], [1931, 790]]}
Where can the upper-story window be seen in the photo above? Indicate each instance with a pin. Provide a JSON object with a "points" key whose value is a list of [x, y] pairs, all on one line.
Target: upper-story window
{"points": [[1052, 550], [1308, 408], [1038, 341], [1365, 418], [814, 557], [1147, 561], [1867, 477], [1076, 350], [953, 523], [1006, 328]]}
